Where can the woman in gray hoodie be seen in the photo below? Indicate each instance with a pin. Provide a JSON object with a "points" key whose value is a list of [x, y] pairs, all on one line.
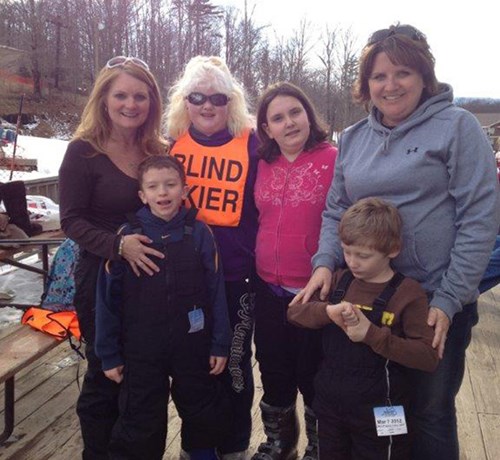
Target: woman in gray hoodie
{"points": [[432, 160]]}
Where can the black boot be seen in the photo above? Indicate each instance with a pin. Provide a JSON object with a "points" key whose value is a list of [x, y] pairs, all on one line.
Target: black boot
{"points": [[311, 452], [14, 200], [282, 431]]}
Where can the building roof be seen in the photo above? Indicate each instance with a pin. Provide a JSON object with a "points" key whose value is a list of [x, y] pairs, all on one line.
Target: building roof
{"points": [[488, 119]]}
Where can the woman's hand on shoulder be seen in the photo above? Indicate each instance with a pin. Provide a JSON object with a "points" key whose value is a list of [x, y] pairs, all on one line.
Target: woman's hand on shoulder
{"points": [[136, 253], [320, 279]]}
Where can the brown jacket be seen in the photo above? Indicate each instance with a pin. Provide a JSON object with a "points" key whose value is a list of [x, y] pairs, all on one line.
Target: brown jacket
{"points": [[407, 340]]}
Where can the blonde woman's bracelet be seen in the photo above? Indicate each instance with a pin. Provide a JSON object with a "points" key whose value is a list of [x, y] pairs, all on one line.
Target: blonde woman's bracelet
{"points": [[120, 246]]}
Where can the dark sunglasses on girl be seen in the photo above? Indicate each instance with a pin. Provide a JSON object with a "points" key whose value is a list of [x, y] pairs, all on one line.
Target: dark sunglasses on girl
{"points": [[218, 100], [118, 61], [406, 30]]}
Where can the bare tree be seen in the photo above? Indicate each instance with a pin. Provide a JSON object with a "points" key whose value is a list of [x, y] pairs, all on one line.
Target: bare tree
{"points": [[155, 27], [243, 42], [205, 19], [232, 40], [296, 54], [74, 41], [263, 66], [197, 29], [33, 13], [347, 70], [327, 58], [11, 29], [90, 25]]}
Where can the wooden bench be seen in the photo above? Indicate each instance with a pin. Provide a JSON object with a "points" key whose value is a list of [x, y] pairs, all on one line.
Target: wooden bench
{"points": [[19, 347]]}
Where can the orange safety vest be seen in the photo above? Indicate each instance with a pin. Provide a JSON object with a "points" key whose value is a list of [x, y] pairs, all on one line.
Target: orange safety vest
{"points": [[58, 324], [216, 177]]}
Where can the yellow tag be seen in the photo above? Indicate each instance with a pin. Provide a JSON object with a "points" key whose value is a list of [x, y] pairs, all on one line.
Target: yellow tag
{"points": [[387, 318], [364, 307]]}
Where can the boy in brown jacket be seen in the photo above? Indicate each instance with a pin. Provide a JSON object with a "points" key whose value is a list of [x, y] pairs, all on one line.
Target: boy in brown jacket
{"points": [[375, 327]]}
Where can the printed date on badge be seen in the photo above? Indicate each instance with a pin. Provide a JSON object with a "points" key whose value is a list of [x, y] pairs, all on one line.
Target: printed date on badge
{"points": [[390, 420]]}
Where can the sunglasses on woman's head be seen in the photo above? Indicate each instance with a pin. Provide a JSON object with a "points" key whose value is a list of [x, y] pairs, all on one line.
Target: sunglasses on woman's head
{"points": [[218, 100], [118, 61], [407, 31]]}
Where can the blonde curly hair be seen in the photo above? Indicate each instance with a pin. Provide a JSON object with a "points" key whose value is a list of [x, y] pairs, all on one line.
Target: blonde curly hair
{"points": [[207, 70]]}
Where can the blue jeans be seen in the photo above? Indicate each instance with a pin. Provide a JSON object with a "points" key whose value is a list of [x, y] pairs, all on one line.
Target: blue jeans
{"points": [[491, 276], [434, 405]]}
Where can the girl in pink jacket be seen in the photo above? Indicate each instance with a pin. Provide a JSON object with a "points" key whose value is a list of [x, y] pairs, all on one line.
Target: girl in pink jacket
{"points": [[294, 175]]}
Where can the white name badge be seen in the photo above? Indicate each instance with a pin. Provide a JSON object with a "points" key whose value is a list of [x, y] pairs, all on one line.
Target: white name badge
{"points": [[196, 320], [390, 420]]}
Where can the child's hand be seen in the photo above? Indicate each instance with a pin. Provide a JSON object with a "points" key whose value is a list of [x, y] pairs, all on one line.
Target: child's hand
{"points": [[217, 364], [115, 374], [356, 323], [349, 316], [334, 312]]}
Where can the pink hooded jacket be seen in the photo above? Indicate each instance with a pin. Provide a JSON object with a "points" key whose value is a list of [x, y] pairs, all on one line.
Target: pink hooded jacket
{"points": [[290, 197]]}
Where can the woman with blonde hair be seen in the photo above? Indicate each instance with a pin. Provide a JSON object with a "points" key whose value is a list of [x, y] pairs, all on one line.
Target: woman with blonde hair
{"points": [[209, 123], [98, 187]]}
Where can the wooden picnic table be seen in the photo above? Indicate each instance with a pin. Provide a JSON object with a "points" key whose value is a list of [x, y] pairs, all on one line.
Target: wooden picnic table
{"points": [[39, 243], [21, 347]]}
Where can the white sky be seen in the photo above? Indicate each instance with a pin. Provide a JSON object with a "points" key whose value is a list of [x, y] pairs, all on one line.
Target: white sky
{"points": [[464, 36]]}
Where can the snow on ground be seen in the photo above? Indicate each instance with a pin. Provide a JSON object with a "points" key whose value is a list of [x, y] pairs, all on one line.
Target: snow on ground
{"points": [[9, 315], [26, 287], [48, 152]]}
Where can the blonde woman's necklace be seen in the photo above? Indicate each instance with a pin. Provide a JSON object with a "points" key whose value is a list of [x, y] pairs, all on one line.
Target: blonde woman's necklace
{"points": [[126, 157]]}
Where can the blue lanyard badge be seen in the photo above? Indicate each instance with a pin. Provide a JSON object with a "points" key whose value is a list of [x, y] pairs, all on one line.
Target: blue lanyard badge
{"points": [[196, 320], [390, 420]]}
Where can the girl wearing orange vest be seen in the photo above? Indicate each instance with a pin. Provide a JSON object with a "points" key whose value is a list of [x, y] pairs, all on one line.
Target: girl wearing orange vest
{"points": [[208, 120]]}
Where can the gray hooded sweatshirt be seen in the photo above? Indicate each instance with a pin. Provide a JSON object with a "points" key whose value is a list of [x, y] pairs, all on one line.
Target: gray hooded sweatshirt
{"points": [[437, 167]]}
